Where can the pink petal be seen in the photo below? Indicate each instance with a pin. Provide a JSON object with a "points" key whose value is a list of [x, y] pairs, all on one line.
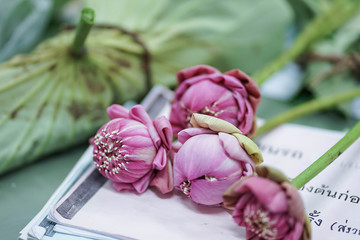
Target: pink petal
{"points": [[139, 114], [226, 169], [143, 155], [232, 83], [177, 117], [226, 108], [238, 213], [187, 133], [136, 142], [117, 111], [266, 192], [176, 145], [133, 172], [195, 71], [160, 159], [233, 148], [209, 192], [250, 85], [296, 231], [201, 94], [246, 117], [142, 184], [126, 128], [164, 130], [164, 179], [154, 135], [197, 157], [296, 205], [120, 187], [91, 141]]}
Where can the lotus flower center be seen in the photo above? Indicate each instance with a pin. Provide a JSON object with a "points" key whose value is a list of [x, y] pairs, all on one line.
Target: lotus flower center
{"points": [[257, 220], [185, 187], [210, 178], [109, 153], [211, 110]]}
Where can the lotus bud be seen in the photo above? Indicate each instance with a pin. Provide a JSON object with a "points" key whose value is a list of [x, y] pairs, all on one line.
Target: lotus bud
{"points": [[132, 150], [214, 154], [232, 96], [268, 206]]}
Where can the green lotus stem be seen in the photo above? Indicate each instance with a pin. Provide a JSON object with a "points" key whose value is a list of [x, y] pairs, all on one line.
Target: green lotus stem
{"points": [[82, 31], [324, 161], [337, 13], [307, 108]]}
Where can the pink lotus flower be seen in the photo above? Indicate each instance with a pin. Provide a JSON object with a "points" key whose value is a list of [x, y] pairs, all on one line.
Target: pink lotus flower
{"points": [[212, 157], [132, 150], [232, 96], [268, 206]]}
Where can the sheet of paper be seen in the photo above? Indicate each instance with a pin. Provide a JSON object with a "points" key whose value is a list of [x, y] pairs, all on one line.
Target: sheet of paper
{"points": [[39, 226], [332, 197], [150, 215]]}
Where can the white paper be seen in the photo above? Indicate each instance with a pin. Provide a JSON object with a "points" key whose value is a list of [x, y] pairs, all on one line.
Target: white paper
{"points": [[151, 215], [291, 148], [32, 229]]}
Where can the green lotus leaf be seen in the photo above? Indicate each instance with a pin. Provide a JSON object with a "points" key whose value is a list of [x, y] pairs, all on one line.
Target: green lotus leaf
{"points": [[52, 99], [24, 23], [243, 34]]}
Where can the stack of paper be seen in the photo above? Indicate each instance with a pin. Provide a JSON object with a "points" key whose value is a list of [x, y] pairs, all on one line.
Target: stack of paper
{"points": [[86, 206]]}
